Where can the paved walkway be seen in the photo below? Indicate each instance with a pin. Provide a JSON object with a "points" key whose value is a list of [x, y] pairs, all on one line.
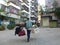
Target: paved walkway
{"points": [[47, 36]]}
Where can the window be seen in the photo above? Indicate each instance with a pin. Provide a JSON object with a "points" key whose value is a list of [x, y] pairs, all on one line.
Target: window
{"points": [[13, 10], [25, 8], [7, 10]]}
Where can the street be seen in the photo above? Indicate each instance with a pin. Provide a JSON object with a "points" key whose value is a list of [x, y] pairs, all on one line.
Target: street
{"points": [[46, 36]]}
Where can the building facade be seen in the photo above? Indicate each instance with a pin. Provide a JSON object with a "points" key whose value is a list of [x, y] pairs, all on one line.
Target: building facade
{"points": [[9, 11], [29, 9], [18, 10], [49, 17], [34, 10], [13, 10], [24, 10]]}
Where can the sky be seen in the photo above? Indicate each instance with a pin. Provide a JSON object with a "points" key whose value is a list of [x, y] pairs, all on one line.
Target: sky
{"points": [[41, 2]]}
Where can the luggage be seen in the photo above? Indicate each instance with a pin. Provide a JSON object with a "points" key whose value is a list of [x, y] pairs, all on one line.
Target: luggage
{"points": [[21, 33], [17, 30]]}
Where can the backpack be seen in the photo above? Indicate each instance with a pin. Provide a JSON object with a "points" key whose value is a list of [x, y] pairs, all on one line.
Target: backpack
{"points": [[28, 24]]}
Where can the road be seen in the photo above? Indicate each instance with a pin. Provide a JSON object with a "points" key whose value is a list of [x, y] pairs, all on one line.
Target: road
{"points": [[46, 36]]}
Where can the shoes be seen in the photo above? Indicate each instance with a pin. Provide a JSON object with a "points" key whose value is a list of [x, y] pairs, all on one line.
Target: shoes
{"points": [[27, 40]]}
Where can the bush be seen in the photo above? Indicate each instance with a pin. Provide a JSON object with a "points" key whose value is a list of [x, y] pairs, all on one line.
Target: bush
{"points": [[2, 28], [57, 12], [53, 24], [11, 26]]}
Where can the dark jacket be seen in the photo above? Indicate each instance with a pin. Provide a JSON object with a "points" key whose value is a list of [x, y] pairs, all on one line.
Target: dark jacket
{"points": [[17, 30]]}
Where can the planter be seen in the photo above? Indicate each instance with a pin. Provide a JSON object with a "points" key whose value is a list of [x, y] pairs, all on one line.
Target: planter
{"points": [[10, 27], [53, 24], [2, 28]]}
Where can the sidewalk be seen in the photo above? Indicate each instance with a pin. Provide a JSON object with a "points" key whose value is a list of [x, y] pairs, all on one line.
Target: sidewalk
{"points": [[47, 36]]}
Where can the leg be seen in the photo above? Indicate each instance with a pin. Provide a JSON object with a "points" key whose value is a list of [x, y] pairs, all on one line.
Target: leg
{"points": [[28, 35], [15, 32]]}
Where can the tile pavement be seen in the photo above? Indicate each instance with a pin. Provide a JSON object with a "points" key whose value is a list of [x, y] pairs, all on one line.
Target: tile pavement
{"points": [[46, 36]]}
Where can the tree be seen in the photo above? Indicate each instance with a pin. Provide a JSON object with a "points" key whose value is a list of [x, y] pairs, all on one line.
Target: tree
{"points": [[57, 12], [57, 9], [41, 10], [55, 4]]}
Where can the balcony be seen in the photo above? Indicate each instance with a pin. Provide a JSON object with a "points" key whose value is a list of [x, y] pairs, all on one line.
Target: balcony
{"points": [[32, 16], [25, 11], [32, 1], [12, 10], [24, 15], [13, 16], [33, 21], [20, 0], [25, 4], [25, 8], [3, 13], [32, 11], [12, 4], [32, 6], [3, 3]]}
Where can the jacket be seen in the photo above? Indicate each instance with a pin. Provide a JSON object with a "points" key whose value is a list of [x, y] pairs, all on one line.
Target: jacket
{"points": [[28, 24]]}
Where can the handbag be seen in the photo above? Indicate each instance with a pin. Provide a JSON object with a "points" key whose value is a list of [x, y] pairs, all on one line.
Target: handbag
{"points": [[21, 33], [35, 30]]}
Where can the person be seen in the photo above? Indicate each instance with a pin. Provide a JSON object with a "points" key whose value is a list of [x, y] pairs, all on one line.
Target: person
{"points": [[18, 29], [28, 26]]}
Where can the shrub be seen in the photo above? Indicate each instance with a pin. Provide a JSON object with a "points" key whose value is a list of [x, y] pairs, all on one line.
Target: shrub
{"points": [[2, 28], [11, 26], [53, 24], [57, 12]]}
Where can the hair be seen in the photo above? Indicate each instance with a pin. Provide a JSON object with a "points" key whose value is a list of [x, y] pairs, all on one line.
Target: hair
{"points": [[27, 18]]}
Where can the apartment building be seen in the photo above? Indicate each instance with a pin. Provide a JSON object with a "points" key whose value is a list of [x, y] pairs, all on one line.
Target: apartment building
{"points": [[13, 10], [49, 16], [29, 9], [24, 10], [34, 10], [3, 15], [20, 10], [10, 10]]}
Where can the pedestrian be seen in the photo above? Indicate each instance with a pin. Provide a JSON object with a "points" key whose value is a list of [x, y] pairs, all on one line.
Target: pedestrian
{"points": [[18, 29], [28, 26]]}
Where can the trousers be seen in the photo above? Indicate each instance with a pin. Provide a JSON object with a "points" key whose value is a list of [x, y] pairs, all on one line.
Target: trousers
{"points": [[28, 34]]}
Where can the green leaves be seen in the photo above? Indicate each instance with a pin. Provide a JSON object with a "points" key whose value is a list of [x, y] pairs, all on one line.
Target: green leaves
{"points": [[57, 12], [11, 26], [1, 10]]}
